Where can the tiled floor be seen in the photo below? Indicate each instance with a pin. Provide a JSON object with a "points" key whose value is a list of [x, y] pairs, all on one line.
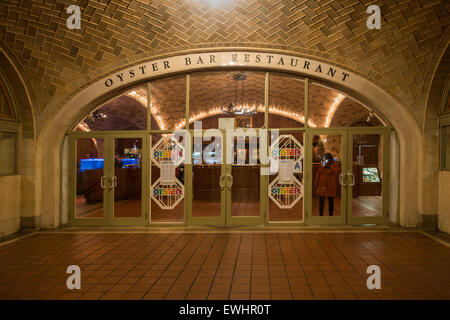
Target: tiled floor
{"points": [[307, 265]]}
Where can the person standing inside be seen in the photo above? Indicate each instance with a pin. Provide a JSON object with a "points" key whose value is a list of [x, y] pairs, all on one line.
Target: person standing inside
{"points": [[117, 160], [325, 183]]}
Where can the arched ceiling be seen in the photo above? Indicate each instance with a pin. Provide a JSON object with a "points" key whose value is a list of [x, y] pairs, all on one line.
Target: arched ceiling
{"points": [[122, 113], [58, 61], [350, 113], [210, 90]]}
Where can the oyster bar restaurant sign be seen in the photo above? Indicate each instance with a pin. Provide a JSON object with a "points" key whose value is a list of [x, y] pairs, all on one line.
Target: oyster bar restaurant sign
{"points": [[225, 60]]}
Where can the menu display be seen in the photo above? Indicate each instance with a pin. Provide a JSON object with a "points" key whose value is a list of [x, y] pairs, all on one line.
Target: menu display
{"points": [[370, 175]]}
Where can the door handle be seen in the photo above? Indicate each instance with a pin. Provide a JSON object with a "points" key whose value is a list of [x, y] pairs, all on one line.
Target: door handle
{"points": [[341, 178], [221, 182], [229, 181], [353, 178], [114, 182], [102, 182]]}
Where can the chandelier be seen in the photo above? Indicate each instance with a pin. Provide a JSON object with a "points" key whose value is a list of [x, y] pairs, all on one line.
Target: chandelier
{"points": [[238, 107], [96, 115]]}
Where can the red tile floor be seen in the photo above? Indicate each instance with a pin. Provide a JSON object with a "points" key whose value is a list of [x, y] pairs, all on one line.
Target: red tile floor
{"points": [[295, 265]]}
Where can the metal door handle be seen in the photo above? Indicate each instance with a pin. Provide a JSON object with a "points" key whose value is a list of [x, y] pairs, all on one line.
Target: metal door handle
{"points": [[114, 182], [221, 182], [341, 175], [230, 178], [102, 182], [353, 178]]}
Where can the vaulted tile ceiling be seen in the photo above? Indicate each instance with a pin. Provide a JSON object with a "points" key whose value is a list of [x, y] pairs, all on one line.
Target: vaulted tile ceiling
{"points": [[58, 61], [210, 90]]}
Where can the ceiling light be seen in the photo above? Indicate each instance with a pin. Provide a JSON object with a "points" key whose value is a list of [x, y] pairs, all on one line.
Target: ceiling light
{"points": [[369, 117], [333, 109], [238, 107]]}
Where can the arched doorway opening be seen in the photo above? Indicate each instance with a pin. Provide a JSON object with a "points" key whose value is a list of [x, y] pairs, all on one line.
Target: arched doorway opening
{"points": [[17, 147], [121, 176], [361, 89]]}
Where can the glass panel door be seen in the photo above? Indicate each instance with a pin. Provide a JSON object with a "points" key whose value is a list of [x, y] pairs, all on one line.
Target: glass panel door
{"points": [[245, 185], [88, 179], [167, 189], [286, 182], [106, 179], [327, 189], [127, 177], [368, 173], [207, 180]]}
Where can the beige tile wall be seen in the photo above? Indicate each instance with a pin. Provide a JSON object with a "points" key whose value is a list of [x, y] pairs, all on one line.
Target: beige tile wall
{"points": [[10, 209]]}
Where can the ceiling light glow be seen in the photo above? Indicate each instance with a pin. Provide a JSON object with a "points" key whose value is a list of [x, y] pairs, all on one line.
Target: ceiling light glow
{"points": [[333, 109]]}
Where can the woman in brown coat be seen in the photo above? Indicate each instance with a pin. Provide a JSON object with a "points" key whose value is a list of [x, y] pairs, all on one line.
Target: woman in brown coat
{"points": [[325, 183]]}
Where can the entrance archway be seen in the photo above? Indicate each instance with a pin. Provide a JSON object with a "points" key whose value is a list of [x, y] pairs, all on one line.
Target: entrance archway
{"points": [[343, 80], [22, 184]]}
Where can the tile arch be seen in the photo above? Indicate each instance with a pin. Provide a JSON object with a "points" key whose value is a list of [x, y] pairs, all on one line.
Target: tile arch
{"points": [[362, 89], [24, 97], [74, 87]]}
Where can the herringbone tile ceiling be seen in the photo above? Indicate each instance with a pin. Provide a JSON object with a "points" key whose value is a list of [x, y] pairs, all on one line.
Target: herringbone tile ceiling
{"points": [[214, 89], [53, 57]]}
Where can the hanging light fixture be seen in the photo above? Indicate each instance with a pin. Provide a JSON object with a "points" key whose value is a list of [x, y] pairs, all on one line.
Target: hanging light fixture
{"points": [[238, 107], [369, 117], [96, 115]]}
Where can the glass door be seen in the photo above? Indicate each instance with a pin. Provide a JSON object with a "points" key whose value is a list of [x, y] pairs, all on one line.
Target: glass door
{"points": [[106, 179], [167, 179], [246, 187], [88, 178], [326, 178], [368, 176], [128, 176], [225, 179], [286, 179], [348, 176], [206, 179]]}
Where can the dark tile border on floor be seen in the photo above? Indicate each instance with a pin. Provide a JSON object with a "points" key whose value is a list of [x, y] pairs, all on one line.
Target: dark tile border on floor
{"points": [[438, 236], [15, 236], [233, 229]]}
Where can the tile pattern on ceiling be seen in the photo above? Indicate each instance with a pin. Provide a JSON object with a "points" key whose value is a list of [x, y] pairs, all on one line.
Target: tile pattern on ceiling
{"points": [[57, 61], [122, 113], [351, 113], [211, 89]]}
